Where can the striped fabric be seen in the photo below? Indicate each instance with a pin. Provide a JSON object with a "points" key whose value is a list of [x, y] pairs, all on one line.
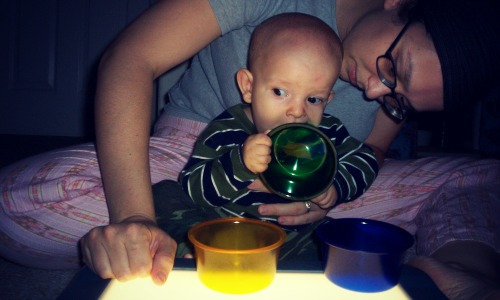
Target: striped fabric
{"points": [[215, 175], [48, 202]]}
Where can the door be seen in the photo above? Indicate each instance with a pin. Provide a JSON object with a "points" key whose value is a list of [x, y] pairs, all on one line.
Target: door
{"points": [[49, 55]]}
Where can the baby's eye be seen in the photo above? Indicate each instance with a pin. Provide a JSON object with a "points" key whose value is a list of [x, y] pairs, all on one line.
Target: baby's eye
{"points": [[314, 100], [279, 92]]}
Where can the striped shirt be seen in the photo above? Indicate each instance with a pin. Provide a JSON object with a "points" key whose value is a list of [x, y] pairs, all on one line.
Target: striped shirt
{"points": [[215, 175]]}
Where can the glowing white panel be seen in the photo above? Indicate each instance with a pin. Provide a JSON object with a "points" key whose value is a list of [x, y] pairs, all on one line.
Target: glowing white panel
{"points": [[184, 284]]}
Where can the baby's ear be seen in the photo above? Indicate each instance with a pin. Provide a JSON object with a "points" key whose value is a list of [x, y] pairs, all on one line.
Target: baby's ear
{"points": [[245, 81], [330, 97], [391, 4]]}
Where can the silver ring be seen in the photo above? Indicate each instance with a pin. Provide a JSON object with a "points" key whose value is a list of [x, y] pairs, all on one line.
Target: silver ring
{"points": [[308, 206]]}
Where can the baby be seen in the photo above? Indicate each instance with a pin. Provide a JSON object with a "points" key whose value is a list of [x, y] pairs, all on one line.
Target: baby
{"points": [[293, 62]]}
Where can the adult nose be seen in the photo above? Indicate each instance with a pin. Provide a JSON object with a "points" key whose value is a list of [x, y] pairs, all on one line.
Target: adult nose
{"points": [[375, 88]]}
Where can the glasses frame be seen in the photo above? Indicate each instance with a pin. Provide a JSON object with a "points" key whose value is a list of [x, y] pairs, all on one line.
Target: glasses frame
{"points": [[394, 103]]}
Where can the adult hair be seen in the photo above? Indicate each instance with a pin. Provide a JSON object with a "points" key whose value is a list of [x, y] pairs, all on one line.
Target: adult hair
{"points": [[466, 36]]}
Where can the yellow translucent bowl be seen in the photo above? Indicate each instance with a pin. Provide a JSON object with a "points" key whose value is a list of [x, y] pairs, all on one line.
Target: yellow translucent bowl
{"points": [[236, 255]]}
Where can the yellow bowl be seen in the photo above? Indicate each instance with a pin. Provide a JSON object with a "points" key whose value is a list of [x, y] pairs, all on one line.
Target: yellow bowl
{"points": [[236, 255]]}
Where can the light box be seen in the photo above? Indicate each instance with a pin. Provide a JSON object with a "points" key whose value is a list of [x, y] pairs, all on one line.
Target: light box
{"points": [[184, 284]]}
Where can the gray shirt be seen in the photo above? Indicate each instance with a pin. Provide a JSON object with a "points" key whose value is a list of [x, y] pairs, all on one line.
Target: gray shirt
{"points": [[209, 87]]}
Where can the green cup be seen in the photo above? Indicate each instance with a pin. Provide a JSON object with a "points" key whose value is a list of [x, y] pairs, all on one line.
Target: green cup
{"points": [[303, 162]]}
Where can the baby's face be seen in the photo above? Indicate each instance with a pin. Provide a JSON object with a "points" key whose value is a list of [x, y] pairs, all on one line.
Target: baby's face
{"points": [[292, 87]]}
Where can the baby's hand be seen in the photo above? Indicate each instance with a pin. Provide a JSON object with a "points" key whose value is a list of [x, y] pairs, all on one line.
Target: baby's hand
{"points": [[256, 152], [326, 200]]}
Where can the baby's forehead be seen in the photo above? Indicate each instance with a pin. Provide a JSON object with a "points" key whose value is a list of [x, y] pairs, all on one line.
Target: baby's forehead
{"points": [[300, 63], [298, 38]]}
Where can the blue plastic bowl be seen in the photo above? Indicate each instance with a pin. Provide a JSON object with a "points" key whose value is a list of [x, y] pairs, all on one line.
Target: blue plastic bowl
{"points": [[363, 255]]}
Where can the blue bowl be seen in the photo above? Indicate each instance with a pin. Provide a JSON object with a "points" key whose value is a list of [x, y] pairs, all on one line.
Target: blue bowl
{"points": [[363, 255]]}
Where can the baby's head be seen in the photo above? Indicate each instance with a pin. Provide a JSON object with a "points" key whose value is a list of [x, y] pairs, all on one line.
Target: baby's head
{"points": [[294, 59], [289, 32]]}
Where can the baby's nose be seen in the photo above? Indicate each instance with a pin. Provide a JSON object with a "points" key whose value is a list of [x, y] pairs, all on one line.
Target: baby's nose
{"points": [[296, 110]]}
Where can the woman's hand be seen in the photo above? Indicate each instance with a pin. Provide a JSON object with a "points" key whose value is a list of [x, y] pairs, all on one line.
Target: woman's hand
{"points": [[130, 249], [295, 213]]}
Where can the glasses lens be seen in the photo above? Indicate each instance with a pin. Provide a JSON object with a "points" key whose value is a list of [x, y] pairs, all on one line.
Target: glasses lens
{"points": [[395, 106], [386, 71]]}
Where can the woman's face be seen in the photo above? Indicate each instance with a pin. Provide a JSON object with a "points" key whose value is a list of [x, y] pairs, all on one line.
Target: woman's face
{"points": [[418, 69]]}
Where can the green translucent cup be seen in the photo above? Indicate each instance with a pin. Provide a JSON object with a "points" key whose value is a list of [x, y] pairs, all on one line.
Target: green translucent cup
{"points": [[303, 162]]}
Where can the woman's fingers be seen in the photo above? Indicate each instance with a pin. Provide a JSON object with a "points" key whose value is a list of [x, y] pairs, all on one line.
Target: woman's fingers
{"points": [[129, 250], [295, 213]]}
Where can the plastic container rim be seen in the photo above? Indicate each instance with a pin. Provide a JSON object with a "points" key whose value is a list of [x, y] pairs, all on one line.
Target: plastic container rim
{"points": [[405, 235], [278, 243]]}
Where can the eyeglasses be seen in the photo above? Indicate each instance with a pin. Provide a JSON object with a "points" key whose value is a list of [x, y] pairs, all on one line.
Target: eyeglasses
{"points": [[394, 103]]}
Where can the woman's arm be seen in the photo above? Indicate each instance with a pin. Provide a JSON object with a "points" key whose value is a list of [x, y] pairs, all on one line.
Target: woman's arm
{"points": [[164, 36], [383, 133], [169, 33]]}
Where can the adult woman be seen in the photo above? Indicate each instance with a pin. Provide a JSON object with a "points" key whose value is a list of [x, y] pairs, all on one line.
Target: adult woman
{"points": [[174, 31]]}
